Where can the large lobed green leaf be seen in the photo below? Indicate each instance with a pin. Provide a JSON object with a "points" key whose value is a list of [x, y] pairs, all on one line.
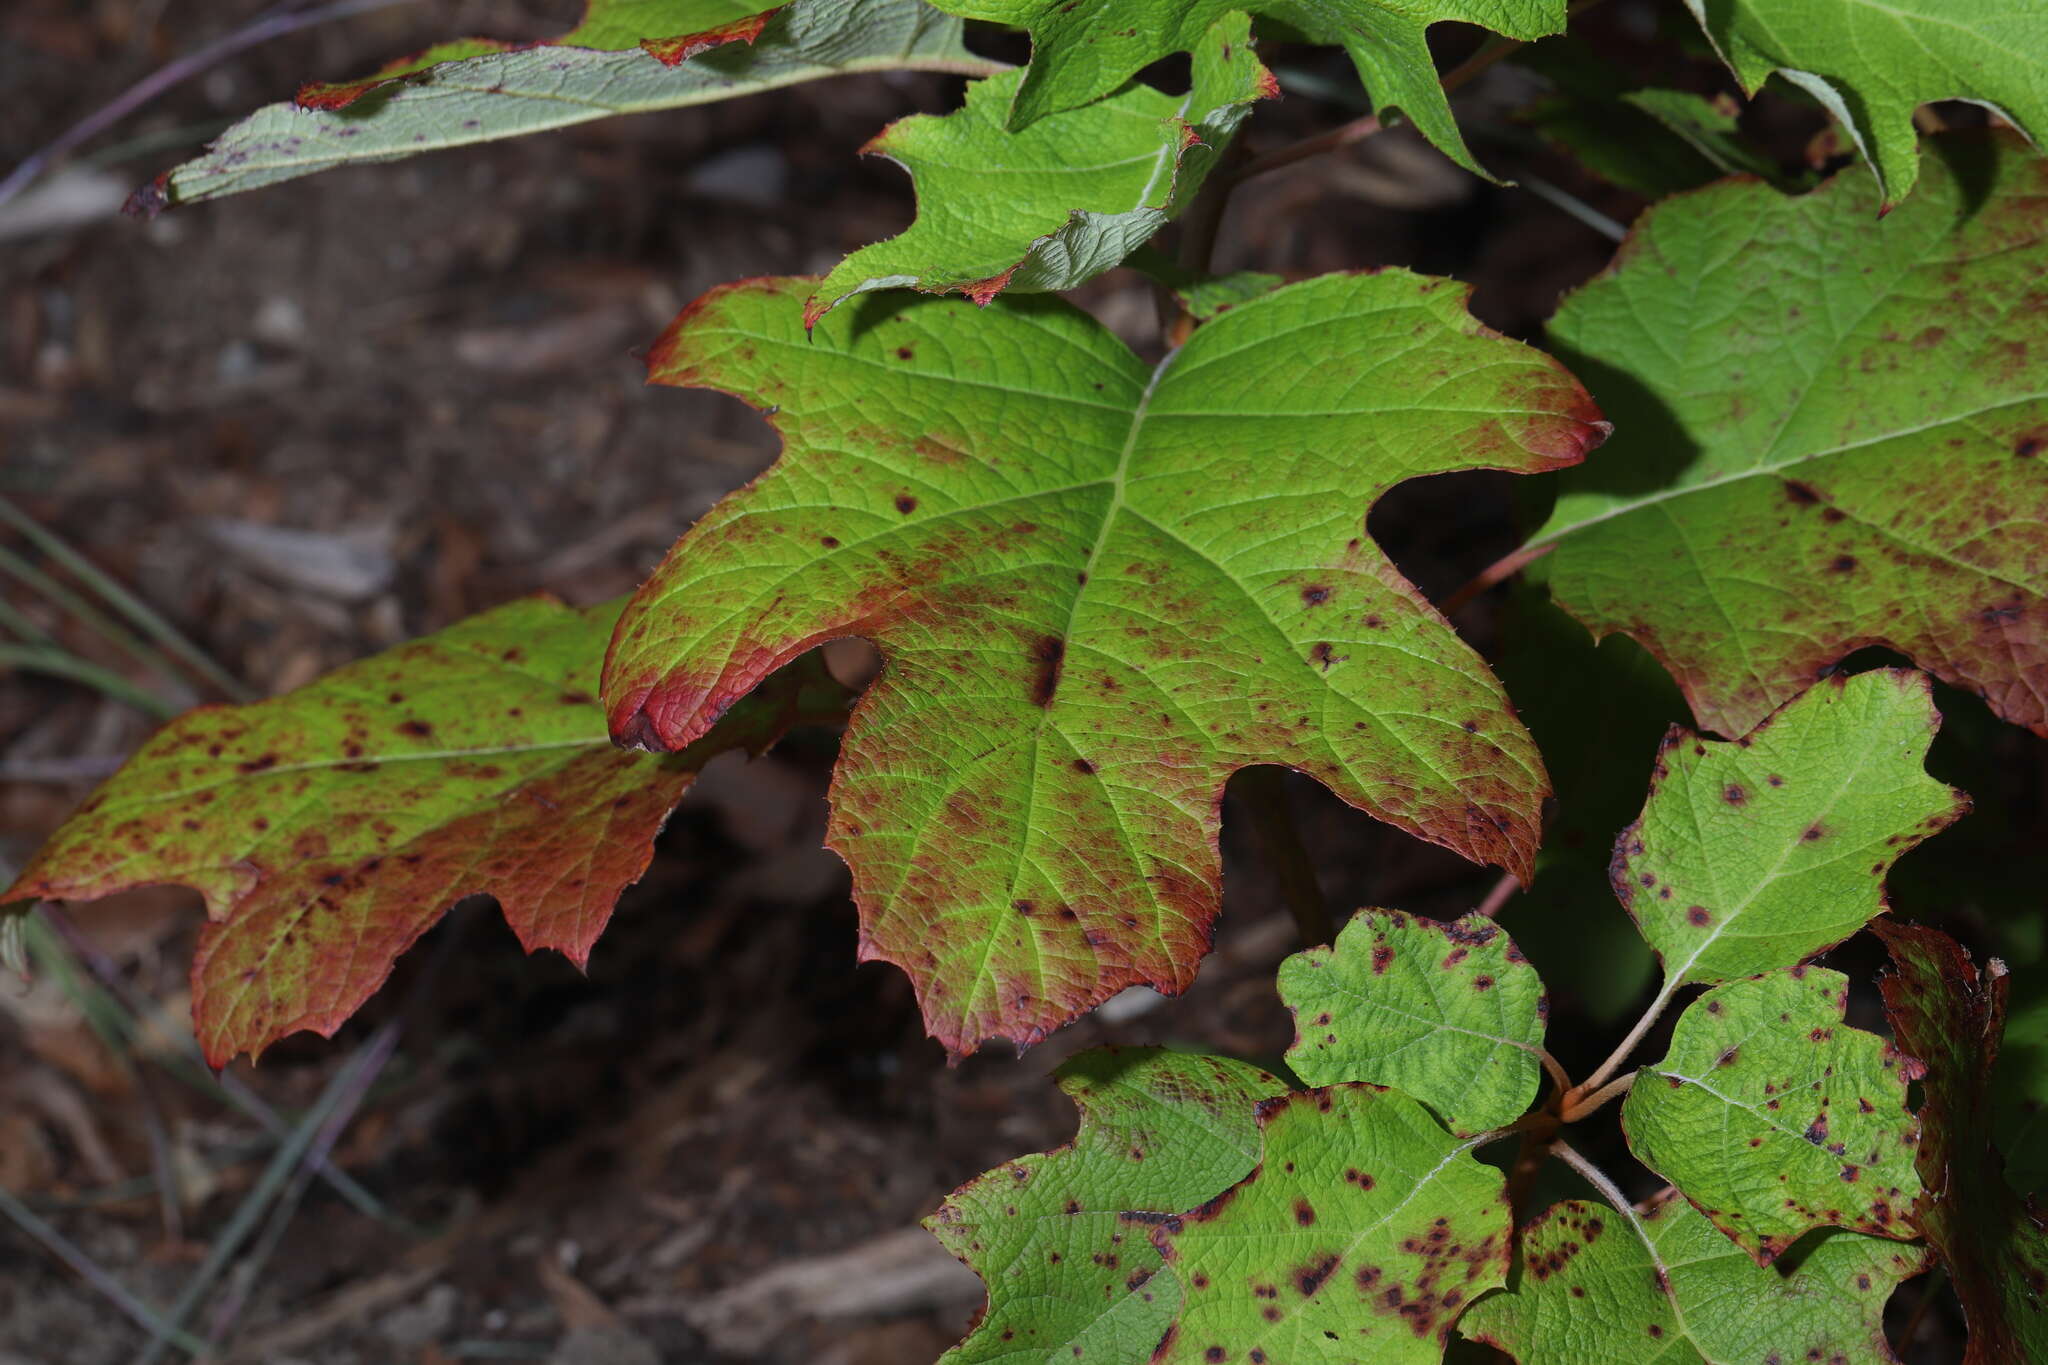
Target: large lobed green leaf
{"points": [[1756, 853], [1083, 49], [1872, 63], [1450, 1014], [479, 95], [1662, 1287], [1063, 1238], [331, 827], [1773, 1117], [1362, 1235], [1078, 191], [1100, 588], [1834, 433]]}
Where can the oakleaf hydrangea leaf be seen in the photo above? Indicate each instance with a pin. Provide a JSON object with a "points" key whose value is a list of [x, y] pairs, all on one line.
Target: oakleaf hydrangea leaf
{"points": [[1063, 1238], [1663, 1287], [1362, 1235], [1774, 1118], [1950, 1014], [1083, 49], [1872, 63], [1081, 189], [1450, 1014], [1759, 852], [1835, 434], [1100, 588], [487, 95], [329, 828], [2020, 1085]]}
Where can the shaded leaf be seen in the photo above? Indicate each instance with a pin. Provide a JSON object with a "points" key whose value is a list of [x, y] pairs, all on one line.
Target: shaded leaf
{"points": [[329, 828], [1835, 434], [1083, 49], [1100, 588], [1757, 853], [1063, 1238], [1872, 63], [1081, 189], [1662, 1287], [491, 95], [1655, 142], [2019, 1085], [1951, 1016], [1450, 1014], [1774, 1117], [1362, 1235]]}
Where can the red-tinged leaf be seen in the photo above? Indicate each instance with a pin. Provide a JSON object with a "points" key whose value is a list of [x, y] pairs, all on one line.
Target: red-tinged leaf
{"points": [[1101, 588], [331, 827], [1951, 1015]]}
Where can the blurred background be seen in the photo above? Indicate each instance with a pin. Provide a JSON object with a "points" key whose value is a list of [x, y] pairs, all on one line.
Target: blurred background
{"points": [[249, 441]]}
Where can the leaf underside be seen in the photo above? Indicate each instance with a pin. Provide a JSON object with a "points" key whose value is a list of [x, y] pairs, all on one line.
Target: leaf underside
{"points": [[1663, 1287], [1100, 588], [499, 94], [1757, 853], [329, 828], [1774, 1117], [1834, 434]]}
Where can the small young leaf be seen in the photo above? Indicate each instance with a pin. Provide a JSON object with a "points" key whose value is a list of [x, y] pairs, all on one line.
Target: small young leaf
{"points": [[1774, 1118], [1362, 1235], [1759, 852], [1834, 435], [491, 95], [1063, 1238], [1951, 1016], [1874, 64], [1450, 1014], [1100, 588], [1083, 49], [1080, 190], [1662, 1287], [331, 827]]}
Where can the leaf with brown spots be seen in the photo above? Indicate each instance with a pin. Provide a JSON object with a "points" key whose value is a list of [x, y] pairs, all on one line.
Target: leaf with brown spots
{"points": [[1363, 1234], [1756, 853], [1834, 434], [1950, 1014], [1662, 1287], [1100, 587], [1451, 1014], [1774, 1117], [1063, 1239], [329, 828]]}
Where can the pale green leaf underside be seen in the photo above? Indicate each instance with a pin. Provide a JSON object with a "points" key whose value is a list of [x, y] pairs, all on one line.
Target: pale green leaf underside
{"points": [[1450, 1014], [509, 94], [1070, 1277], [1362, 1236], [1874, 62], [1665, 1288], [1756, 853], [1051, 206], [1774, 1118], [1083, 49]]}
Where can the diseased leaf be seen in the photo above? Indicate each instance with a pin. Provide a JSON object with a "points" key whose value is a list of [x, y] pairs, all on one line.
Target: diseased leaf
{"points": [[1083, 49], [491, 95], [1757, 853], [1774, 1118], [1100, 588], [1451, 1014], [1872, 63], [329, 828], [1951, 1016], [1063, 1238], [1362, 1235], [1081, 189], [1835, 434], [1662, 1287]]}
